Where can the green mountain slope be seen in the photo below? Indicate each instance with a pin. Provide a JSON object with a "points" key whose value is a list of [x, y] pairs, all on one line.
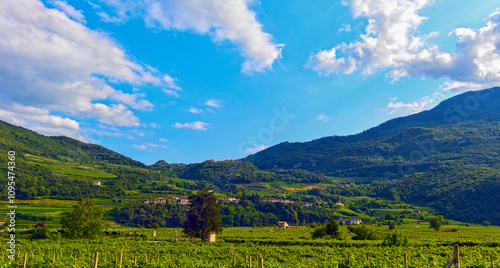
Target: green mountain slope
{"points": [[447, 157], [25, 141], [462, 123]]}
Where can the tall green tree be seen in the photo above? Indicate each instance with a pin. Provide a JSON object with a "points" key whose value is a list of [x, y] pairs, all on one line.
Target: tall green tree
{"points": [[435, 223], [203, 215], [85, 221], [486, 224], [332, 228]]}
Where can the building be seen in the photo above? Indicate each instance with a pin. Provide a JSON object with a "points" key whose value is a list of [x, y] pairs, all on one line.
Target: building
{"points": [[211, 237], [98, 183], [349, 221], [339, 204], [184, 200], [159, 200], [283, 224], [275, 200]]}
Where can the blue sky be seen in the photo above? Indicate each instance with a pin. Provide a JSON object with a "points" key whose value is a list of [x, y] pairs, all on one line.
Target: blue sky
{"points": [[186, 81]]}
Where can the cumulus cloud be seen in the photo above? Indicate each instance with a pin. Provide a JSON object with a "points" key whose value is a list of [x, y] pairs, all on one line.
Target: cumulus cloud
{"points": [[197, 125], [40, 121], [162, 139], [257, 148], [213, 103], [395, 107], [70, 11], [55, 63], [223, 20], [391, 40], [194, 110]]}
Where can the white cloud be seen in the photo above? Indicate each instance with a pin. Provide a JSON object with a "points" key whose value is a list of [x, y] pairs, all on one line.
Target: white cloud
{"points": [[392, 41], [195, 110], [171, 82], [162, 139], [197, 125], [170, 92], [54, 63], [213, 103], [70, 11], [223, 20], [257, 148], [402, 108], [345, 28], [40, 120], [149, 146], [322, 118]]}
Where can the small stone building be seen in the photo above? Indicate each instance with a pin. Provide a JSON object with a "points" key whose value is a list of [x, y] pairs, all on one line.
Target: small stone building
{"points": [[211, 237], [283, 224]]}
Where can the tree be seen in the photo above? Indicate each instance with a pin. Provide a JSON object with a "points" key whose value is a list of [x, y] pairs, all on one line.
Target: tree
{"points": [[332, 228], [392, 225], [203, 215], [486, 224], [85, 221], [395, 239], [435, 223]]}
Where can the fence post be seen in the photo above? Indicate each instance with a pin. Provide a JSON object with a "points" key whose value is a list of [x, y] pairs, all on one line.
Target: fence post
{"points": [[250, 261], [25, 257], [491, 259], [261, 262], [121, 257], [456, 256], [406, 261], [96, 259]]}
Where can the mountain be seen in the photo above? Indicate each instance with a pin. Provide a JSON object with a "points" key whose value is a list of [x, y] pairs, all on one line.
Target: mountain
{"points": [[25, 141], [446, 157], [460, 129]]}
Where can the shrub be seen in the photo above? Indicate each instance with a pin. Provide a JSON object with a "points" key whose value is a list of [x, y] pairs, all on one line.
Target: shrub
{"points": [[395, 239]]}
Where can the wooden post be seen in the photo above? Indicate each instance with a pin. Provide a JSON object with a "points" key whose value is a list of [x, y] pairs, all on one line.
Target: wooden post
{"points": [[456, 255], [250, 261], [261, 262], [406, 261], [348, 258], [121, 258], [96, 259], [368, 258], [491, 259], [25, 257]]}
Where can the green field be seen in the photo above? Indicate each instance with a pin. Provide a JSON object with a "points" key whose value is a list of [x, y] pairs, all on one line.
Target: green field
{"points": [[278, 248]]}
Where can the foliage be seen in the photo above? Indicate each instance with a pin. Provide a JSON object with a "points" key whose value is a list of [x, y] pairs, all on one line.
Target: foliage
{"points": [[486, 224], [203, 215], [362, 232], [85, 221], [435, 223], [392, 225], [395, 239], [40, 233]]}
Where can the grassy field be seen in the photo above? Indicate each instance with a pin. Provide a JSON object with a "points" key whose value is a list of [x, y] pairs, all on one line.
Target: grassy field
{"points": [[71, 170], [279, 248]]}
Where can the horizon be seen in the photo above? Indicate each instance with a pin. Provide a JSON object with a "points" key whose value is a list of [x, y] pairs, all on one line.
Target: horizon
{"points": [[170, 82]]}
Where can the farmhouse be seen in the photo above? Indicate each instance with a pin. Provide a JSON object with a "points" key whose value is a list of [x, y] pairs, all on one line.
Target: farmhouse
{"points": [[349, 221], [339, 204], [159, 200], [98, 183], [283, 224]]}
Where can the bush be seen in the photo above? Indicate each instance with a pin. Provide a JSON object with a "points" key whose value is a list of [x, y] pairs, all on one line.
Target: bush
{"points": [[362, 233], [40, 233], [395, 239]]}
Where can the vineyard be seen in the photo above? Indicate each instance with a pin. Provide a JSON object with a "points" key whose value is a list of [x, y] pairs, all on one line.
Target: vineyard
{"points": [[236, 247]]}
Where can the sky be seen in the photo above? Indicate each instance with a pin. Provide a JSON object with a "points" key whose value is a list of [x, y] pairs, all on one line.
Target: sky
{"points": [[192, 80]]}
